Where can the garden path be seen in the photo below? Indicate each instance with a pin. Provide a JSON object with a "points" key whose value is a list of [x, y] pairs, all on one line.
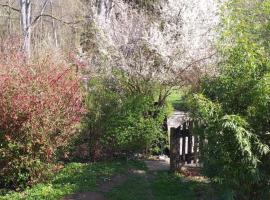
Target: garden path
{"points": [[105, 187]]}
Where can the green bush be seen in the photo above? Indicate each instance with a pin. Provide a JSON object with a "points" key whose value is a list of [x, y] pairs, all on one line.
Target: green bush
{"points": [[121, 120], [234, 106]]}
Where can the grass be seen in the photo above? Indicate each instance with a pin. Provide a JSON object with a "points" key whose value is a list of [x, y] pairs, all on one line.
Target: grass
{"points": [[75, 177], [135, 188], [161, 186], [78, 177], [172, 186], [176, 99]]}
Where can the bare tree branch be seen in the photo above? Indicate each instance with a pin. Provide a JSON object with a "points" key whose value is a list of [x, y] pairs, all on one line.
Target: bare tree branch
{"points": [[55, 18], [12, 8], [196, 62], [41, 13]]}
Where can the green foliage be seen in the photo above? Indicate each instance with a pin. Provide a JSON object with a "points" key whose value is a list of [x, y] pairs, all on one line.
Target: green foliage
{"points": [[234, 107], [123, 119], [134, 128]]}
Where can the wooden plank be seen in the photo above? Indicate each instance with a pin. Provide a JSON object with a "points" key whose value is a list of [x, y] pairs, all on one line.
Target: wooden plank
{"points": [[189, 149], [174, 149], [183, 150], [185, 131], [196, 149]]}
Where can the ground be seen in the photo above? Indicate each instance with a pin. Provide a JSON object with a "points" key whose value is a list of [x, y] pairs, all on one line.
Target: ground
{"points": [[117, 180]]}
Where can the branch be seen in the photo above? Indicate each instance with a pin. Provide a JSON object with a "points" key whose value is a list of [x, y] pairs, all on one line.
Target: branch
{"points": [[41, 13], [55, 18], [44, 6], [12, 8], [196, 62]]}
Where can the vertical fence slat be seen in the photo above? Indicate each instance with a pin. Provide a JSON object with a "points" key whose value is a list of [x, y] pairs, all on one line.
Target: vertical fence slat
{"points": [[183, 157], [189, 149], [196, 142], [174, 149]]}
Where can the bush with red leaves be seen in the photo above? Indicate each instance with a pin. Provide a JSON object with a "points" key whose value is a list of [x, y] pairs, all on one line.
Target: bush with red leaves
{"points": [[40, 108]]}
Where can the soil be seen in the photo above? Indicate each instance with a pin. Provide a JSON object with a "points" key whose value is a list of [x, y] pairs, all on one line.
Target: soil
{"points": [[157, 165]]}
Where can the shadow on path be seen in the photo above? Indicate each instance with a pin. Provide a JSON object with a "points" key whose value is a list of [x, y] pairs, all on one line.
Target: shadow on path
{"points": [[106, 187], [158, 165]]}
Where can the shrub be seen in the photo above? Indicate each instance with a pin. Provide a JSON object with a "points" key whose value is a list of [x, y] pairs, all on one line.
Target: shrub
{"points": [[233, 154], [234, 106], [120, 120], [40, 106]]}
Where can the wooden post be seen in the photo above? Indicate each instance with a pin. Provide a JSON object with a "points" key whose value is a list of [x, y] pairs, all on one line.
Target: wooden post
{"points": [[196, 143], [183, 134], [189, 149], [174, 149]]}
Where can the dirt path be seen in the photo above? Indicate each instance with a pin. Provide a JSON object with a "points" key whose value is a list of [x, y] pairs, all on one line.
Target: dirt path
{"points": [[157, 165], [105, 187], [102, 189]]}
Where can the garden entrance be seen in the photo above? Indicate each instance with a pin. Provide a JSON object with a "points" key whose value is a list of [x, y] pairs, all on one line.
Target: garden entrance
{"points": [[184, 146]]}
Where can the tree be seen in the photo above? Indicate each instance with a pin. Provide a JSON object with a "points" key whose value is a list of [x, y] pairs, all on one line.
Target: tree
{"points": [[26, 8], [155, 47], [38, 21]]}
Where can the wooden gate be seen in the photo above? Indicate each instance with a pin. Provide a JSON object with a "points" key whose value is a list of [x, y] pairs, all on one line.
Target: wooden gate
{"points": [[184, 146]]}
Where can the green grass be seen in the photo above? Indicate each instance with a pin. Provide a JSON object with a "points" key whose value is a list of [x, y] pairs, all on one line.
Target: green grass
{"points": [[75, 177], [135, 188], [161, 186], [176, 99], [171, 186], [78, 177]]}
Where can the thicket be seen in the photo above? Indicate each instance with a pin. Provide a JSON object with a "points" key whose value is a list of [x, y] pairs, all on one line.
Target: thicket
{"points": [[123, 120], [40, 107], [151, 6], [234, 106]]}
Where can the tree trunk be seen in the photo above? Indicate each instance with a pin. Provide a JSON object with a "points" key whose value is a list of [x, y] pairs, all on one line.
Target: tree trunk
{"points": [[26, 25], [54, 26], [9, 19]]}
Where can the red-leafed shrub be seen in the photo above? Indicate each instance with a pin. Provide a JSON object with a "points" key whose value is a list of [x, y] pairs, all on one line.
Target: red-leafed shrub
{"points": [[40, 108]]}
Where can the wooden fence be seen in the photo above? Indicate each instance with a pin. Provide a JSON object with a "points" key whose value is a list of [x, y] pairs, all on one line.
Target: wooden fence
{"points": [[184, 146]]}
